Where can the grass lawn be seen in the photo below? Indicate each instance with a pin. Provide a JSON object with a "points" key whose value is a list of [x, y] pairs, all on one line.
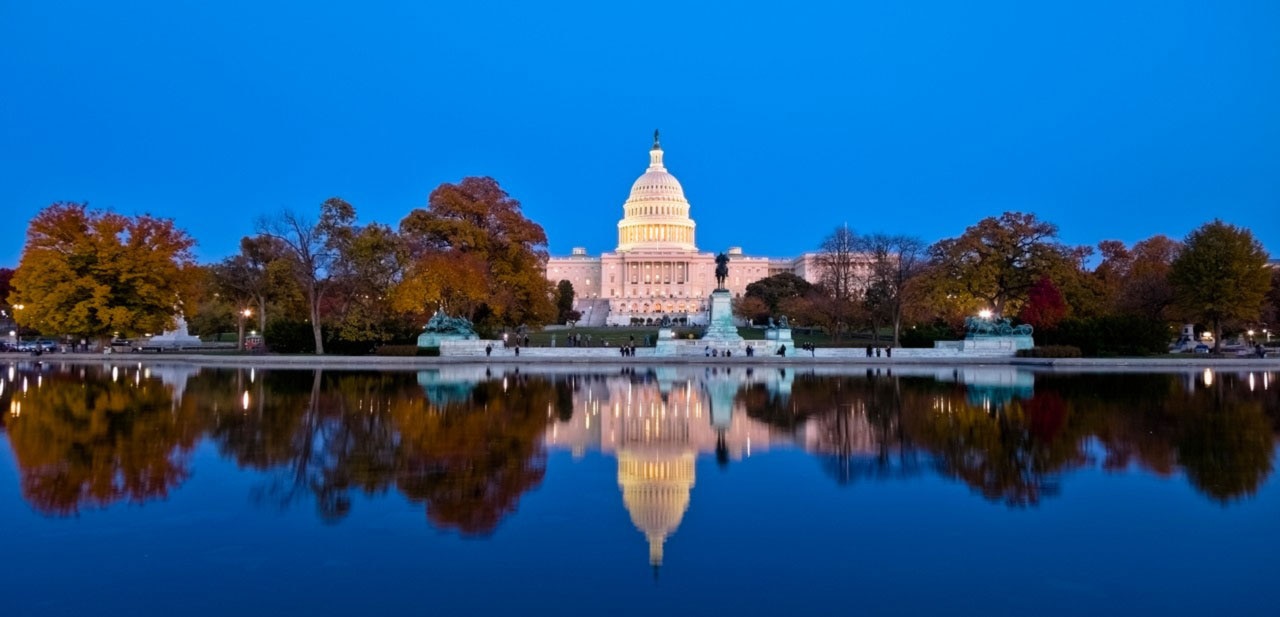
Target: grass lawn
{"points": [[622, 335]]}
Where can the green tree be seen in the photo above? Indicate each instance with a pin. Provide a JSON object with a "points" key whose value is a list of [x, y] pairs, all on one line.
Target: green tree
{"points": [[90, 273], [1220, 276], [564, 300], [998, 260]]}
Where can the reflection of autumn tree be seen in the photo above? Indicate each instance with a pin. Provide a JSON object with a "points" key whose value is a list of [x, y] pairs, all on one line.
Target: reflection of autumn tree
{"points": [[471, 462], [1223, 436], [96, 441], [1224, 442], [854, 422], [328, 434], [1129, 415], [1012, 454]]}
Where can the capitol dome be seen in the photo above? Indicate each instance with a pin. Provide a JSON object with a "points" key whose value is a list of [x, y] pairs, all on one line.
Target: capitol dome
{"points": [[655, 491], [656, 215]]}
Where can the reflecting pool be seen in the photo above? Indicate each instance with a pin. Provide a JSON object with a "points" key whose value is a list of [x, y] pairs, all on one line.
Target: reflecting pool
{"points": [[134, 489]]}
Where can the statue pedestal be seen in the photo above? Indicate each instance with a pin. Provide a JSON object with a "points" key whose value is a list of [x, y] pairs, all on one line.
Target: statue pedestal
{"points": [[782, 335], [721, 328], [433, 339]]}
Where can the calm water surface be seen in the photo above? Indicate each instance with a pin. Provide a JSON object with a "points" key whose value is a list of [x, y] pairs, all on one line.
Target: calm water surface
{"points": [[171, 490]]}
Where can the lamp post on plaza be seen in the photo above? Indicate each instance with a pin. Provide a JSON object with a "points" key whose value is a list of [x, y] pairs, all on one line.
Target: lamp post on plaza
{"points": [[240, 317]]}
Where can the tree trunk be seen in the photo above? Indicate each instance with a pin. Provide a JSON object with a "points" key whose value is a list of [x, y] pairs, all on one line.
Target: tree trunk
{"points": [[897, 329], [315, 321], [240, 330]]}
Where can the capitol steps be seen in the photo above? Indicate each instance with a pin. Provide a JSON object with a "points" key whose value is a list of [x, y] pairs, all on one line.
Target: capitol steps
{"points": [[594, 312]]}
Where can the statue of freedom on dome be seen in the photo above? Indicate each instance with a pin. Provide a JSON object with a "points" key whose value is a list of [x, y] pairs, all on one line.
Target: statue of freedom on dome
{"points": [[722, 270]]}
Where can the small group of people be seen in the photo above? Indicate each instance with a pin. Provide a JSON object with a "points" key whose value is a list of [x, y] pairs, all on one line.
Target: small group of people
{"points": [[888, 351], [579, 340], [627, 350], [716, 353]]}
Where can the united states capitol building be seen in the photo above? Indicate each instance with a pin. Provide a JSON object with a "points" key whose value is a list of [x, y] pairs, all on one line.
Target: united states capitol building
{"points": [[657, 269]]}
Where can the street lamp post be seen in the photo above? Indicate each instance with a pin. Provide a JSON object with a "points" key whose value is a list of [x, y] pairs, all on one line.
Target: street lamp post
{"points": [[241, 316]]}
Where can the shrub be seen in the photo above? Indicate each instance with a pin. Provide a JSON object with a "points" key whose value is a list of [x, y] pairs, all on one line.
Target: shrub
{"points": [[398, 350], [923, 335], [1113, 335], [1050, 351], [289, 336]]}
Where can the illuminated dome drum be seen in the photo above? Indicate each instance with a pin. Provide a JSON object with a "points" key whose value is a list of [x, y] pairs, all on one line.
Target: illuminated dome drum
{"points": [[656, 215]]}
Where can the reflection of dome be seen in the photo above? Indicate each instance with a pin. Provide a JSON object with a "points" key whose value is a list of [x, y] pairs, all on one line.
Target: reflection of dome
{"points": [[655, 490], [656, 215]]}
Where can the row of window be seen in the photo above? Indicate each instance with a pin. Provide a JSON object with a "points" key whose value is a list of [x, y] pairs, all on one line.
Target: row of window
{"points": [[655, 210]]}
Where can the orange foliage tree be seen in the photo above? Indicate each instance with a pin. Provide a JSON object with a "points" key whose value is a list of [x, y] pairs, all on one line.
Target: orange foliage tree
{"points": [[472, 251], [91, 273]]}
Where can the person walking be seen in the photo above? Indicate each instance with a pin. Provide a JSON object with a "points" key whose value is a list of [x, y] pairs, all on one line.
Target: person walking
{"points": [[488, 350]]}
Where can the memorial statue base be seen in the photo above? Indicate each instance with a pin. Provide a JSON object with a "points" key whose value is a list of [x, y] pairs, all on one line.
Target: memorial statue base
{"points": [[433, 339], [721, 328]]}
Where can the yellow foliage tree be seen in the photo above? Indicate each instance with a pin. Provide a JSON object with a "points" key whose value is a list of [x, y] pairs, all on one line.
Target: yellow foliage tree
{"points": [[92, 273]]}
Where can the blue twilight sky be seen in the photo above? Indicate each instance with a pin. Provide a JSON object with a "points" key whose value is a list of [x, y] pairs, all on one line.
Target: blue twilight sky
{"points": [[782, 120]]}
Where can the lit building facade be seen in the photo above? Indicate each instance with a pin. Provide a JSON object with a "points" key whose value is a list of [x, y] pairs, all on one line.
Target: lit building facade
{"points": [[656, 269]]}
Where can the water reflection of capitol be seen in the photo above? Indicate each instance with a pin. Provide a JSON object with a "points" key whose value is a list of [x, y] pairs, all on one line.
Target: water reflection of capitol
{"points": [[657, 421], [656, 424]]}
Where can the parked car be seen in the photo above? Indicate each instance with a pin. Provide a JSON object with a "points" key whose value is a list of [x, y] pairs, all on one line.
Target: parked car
{"points": [[1202, 348]]}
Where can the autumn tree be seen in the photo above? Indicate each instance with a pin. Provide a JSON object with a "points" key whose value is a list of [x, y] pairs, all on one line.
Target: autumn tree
{"points": [[6, 285], [1271, 306], [751, 309], [473, 251], [998, 260], [1044, 307], [1136, 279], [1221, 275], [308, 248], [896, 261], [368, 267], [841, 266], [92, 274], [773, 290]]}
